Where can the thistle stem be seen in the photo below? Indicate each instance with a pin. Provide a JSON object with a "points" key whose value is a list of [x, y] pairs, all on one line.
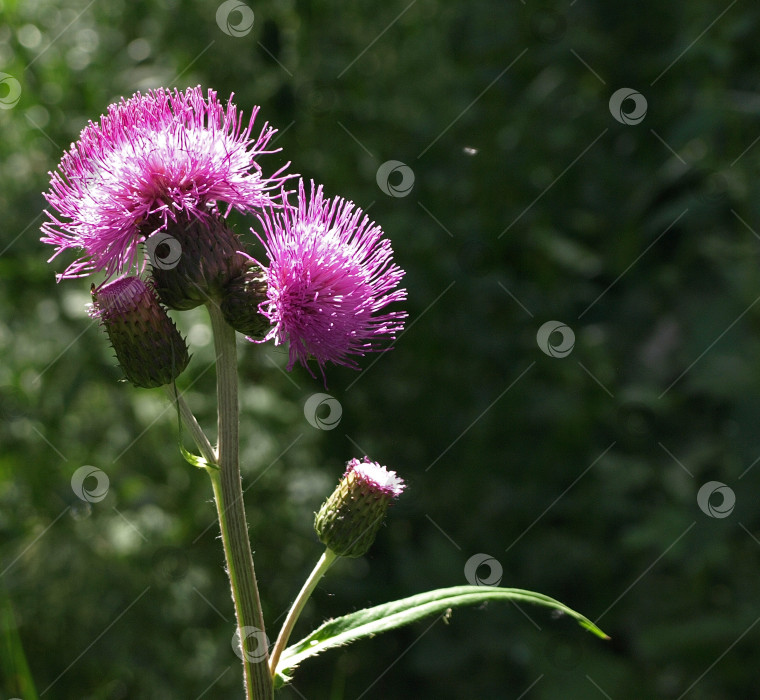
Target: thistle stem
{"points": [[228, 494], [324, 563]]}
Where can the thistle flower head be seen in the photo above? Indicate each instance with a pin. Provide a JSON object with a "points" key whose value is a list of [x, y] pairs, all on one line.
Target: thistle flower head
{"points": [[377, 480], [194, 261], [330, 277], [148, 346], [150, 160], [349, 520]]}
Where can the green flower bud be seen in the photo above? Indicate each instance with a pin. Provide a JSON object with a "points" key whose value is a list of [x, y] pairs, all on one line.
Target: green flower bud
{"points": [[148, 345], [348, 521], [240, 305], [193, 261]]}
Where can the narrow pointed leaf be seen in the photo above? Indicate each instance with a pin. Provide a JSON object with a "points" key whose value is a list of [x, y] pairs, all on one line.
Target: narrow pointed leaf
{"points": [[195, 460], [388, 616]]}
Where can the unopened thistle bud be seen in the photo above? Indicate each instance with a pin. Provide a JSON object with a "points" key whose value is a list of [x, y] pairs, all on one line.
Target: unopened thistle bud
{"points": [[193, 261], [348, 521], [148, 346], [241, 301]]}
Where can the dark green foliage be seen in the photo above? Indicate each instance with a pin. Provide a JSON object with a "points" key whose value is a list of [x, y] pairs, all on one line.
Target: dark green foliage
{"points": [[578, 475]]}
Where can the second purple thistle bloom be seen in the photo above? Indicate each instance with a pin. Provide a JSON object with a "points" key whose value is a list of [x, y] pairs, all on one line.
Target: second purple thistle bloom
{"points": [[330, 278]]}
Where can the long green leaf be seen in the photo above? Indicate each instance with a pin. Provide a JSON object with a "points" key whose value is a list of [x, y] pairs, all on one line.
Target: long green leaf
{"points": [[388, 616]]}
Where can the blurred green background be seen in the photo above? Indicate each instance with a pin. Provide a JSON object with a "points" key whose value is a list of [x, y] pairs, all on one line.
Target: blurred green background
{"points": [[533, 201]]}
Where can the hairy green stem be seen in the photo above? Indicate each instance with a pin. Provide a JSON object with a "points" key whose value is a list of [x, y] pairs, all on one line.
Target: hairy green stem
{"points": [[324, 563], [228, 494]]}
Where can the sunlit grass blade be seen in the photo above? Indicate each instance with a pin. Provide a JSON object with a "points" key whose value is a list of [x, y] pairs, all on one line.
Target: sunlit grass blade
{"points": [[13, 666]]}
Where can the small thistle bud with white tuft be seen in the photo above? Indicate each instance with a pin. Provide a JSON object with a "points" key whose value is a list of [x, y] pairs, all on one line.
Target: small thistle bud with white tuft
{"points": [[349, 520], [148, 345]]}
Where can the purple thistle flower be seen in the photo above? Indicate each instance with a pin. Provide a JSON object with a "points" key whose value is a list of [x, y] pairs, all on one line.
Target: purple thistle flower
{"points": [[330, 273], [151, 159]]}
